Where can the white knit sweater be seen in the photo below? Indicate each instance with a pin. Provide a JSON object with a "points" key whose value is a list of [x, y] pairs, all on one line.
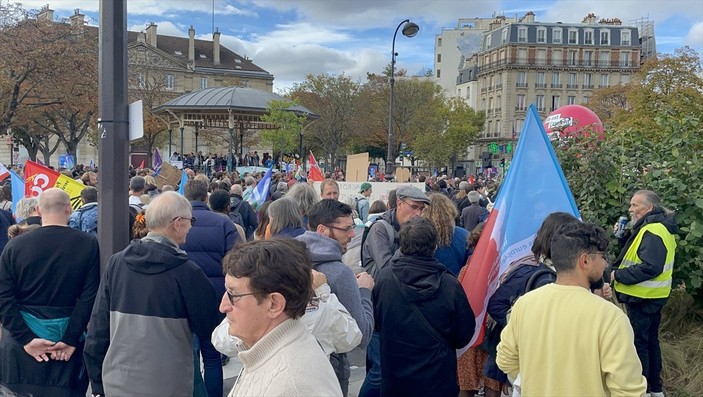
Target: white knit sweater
{"points": [[285, 362]]}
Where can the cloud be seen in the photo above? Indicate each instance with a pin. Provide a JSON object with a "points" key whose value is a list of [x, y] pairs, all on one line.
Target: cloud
{"points": [[695, 35], [147, 7], [166, 28]]}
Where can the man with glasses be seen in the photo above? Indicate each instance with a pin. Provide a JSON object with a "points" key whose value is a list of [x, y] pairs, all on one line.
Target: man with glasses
{"points": [[151, 300], [565, 341], [379, 247], [331, 229]]}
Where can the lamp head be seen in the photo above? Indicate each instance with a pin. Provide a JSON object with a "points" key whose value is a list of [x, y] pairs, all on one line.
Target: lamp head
{"points": [[410, 29]]}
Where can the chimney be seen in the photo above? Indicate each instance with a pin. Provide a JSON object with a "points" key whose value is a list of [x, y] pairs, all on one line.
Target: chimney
{"points": [[529, 17], [191, 44], [216, 46], [77, 19], [141, 37], [46, 14], [589, 19], [151, 34]]}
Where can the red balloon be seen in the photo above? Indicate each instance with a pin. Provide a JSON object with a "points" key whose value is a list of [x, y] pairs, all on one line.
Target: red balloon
{"points": [[573, 120]]}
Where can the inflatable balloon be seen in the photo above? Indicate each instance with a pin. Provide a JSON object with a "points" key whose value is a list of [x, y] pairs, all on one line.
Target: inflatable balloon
{"points": [[573, 120]]}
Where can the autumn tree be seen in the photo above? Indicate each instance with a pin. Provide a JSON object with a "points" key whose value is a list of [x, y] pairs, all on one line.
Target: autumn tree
{"points": [[289, 126], [335, 100]]}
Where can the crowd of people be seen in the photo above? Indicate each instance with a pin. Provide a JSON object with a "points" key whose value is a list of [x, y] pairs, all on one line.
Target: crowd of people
{"points": [[292, 285]]}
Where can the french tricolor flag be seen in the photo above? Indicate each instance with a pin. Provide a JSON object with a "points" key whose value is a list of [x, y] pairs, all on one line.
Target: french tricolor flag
{"points": [[534, 187]]}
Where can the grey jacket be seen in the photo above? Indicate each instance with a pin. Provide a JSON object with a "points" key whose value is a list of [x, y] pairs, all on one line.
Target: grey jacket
{"points": [[379, 247]]}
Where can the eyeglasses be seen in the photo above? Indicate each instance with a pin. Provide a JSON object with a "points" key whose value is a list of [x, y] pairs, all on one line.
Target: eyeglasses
{"points": [[414, 206], [342, 229], [192, 220], [232, 297]]}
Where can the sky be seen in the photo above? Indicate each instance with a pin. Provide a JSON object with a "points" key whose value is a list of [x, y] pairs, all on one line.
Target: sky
{"points": [[293, 38]]}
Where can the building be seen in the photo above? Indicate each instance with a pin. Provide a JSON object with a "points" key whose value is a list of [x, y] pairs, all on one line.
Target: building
{"points": [[547, 64], [179, 65]]}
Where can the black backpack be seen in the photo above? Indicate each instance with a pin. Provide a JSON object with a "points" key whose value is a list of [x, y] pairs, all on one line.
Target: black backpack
{"points": [[235, 215]]}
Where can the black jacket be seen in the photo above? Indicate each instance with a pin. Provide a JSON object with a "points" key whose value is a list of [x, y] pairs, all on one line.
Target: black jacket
{"points": [[251, 222], [415, 362], [652, 252]]}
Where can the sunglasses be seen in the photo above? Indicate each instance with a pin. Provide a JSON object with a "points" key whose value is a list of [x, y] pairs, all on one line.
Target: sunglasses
{"points": [[192, 220], [235, 297]]}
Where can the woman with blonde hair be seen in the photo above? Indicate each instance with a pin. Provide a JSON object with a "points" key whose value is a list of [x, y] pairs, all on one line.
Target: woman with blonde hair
{"points": [[451, 240]]}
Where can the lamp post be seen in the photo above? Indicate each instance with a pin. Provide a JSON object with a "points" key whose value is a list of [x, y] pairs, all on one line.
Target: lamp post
{"points": [[410, 29]]}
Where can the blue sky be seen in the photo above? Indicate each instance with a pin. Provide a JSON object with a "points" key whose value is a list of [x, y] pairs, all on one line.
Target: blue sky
{"points": [[291, 38]]}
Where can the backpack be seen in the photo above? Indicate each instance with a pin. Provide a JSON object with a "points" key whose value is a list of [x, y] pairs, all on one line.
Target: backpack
{"points": [[235, 215]]}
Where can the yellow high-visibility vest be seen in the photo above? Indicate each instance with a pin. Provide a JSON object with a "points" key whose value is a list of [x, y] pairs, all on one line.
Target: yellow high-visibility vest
{"points": [[657, 287]]}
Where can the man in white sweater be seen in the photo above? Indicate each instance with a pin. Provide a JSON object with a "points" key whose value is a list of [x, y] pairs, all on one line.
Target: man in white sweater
{"points": [[269, 285]]}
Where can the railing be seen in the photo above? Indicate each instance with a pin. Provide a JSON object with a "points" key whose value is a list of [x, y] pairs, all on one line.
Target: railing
{"points": [[556, 85], [521, 85], [520, 108], [587, 86], [540, 85], [499, 86], [572, 86], [534, 62]]}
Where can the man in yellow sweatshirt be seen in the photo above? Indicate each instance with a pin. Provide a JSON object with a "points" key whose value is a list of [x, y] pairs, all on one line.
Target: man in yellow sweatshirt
{"points": [[565, 341]]}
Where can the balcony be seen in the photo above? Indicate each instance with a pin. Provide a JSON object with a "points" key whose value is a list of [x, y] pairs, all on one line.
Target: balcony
{"points": [[521, 85], [540, 85], [540, 109], [520, 108], [572, 86], [557, 85], [498, 111], [483, 90], [587, 86], [602, 86], [499, 86], [490, 88]]}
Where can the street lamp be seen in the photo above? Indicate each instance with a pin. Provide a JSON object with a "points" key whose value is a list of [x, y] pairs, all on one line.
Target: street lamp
{"points": [[410, 29]]}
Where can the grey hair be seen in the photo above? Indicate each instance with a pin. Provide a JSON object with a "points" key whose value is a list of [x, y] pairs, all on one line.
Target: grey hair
{"points": [[164, 208], [651, 198], [474, 196], [463, 185], [26, 206], [282, 186], [249, 181], [284, 213], [236, 189], [304, 195]]}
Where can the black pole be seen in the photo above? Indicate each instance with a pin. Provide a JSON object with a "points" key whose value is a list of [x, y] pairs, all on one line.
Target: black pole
{"points": [[230, 154], [113, 129], [390, 158], [170, 136], [183, 158], [241, 140]]}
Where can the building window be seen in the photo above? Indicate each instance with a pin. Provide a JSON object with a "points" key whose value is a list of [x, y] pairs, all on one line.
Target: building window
{"points": [[540, 81], [439, 42], [203, 83], [541, 35], [556, 80], [625, 59], [603, 58], [522, 55], [603, 80], [588, 58], [604, 37], [555, 102], [585, 100], [439, 73], [141, 84], [573, 81], [625, 37], [488, 41], [520, 105], [522, 35], [588, 81], [573, 58], [573, 36], [624, 79], [542, 56], [588, 37], [556, 36], [468, 93], [499, 101], [557, 57], [505, 36], [571, 100], [522, 79], [169, 81], [539, 102], [458, 92], [439, 58]]}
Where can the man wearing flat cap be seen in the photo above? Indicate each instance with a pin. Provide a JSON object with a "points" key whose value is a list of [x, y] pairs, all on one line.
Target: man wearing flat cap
{"points": [[362, 201], [381, 243]]}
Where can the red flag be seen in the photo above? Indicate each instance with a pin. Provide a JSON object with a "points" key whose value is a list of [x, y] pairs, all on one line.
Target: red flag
{"points": [[141, 166], [315, 173], [39, 178]]}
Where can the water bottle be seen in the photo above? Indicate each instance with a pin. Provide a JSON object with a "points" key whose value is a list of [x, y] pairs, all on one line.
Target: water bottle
{"points": [[620, 229]]}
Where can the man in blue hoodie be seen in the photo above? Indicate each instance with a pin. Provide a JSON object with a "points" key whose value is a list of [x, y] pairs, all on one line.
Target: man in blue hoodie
{"points": [[331, 229]]}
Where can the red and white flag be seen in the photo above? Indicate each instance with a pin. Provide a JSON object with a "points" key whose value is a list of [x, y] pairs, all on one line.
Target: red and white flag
{"points": [[4, 173], [315, 173]]}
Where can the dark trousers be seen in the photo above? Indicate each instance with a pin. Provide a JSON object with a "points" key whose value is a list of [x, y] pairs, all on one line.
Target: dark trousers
{"points": [[212, 363], [645, 319], [372, 383], [340, 364]]}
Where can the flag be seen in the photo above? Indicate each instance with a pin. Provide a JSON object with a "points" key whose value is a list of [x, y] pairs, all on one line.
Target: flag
{"points": [[92, 164], [157, 160], [182, 184], [534, 187], [39, 178], [141, 166], [17, 190], [315, 173], [299, 172], [4, 173], [260, 193]]}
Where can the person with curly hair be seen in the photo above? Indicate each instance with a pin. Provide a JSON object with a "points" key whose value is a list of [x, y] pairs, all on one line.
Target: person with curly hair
{"points": [[451, 240]]}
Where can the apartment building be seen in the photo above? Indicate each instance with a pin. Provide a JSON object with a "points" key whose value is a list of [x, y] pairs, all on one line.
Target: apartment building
{"points": [[550, 65]]}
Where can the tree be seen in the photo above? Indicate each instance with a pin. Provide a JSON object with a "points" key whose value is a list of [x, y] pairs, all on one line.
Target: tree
{"points": [[335, 100], [289, 126]]}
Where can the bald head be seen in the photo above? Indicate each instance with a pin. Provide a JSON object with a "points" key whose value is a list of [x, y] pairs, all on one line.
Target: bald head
{"points": [[54, 207]]}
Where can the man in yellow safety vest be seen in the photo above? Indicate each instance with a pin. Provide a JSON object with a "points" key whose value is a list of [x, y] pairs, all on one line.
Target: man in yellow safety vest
{"points": [[642, 276]]}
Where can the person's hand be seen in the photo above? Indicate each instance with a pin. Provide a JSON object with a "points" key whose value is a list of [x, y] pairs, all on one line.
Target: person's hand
{"points": [[61, 351], [607, 291], [318, 278], [38, 349], [365, 280], [612, 276]]}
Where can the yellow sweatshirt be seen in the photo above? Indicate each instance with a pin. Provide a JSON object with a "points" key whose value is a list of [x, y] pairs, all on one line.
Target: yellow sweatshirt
{"points": [[565, 341]]}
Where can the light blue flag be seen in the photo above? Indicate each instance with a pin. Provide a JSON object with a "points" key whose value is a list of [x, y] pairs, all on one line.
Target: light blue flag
{"points": [[260, 192], [17, 190], [182, 185]]}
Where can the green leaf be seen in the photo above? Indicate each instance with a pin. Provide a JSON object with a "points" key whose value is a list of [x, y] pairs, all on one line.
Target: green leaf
{"points": [[699, 203]]}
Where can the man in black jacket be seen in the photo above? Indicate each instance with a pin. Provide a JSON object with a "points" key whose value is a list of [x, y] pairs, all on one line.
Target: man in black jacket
{"points": [[422, 315], [237, 203]]}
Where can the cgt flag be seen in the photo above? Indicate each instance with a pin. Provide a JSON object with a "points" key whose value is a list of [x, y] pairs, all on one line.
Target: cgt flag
{"points": [[315, 173], [534, 187], [39, 178]]}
